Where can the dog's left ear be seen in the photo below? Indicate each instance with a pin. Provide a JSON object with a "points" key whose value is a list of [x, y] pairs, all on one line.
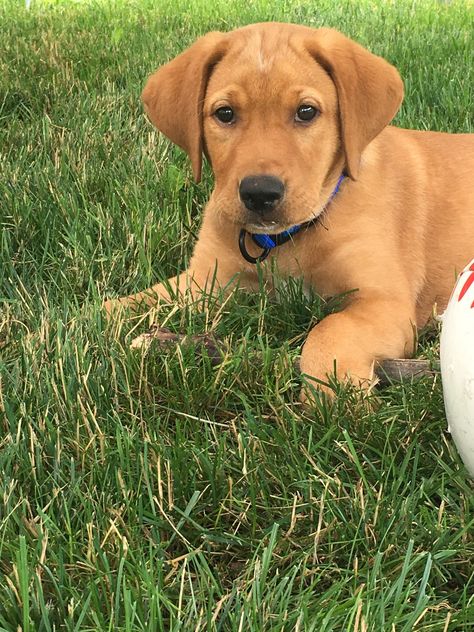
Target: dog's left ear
{"points": [[174, 95], [369, 90]]}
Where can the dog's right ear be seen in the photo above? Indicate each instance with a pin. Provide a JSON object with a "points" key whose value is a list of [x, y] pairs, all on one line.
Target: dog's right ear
{"points": [[369, 90], [174, 95]]}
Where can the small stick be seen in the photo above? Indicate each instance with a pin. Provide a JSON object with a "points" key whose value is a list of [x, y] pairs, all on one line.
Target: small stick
{"points": [[387, 371], [400, 369]]}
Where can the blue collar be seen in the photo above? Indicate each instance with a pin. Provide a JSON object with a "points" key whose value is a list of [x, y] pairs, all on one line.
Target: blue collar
{"points": [[268, 242]]}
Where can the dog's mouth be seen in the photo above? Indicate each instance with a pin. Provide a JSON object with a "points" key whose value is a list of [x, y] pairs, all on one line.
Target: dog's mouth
{"points": [[275, 227], [265, 228]]}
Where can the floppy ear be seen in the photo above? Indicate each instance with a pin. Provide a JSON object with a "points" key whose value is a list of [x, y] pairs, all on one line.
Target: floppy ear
{"points": [[173, 96], [369, 90]]}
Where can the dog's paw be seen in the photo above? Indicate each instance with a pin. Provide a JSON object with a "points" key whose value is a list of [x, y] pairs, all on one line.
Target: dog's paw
{"points": [[326, 389], [314, 393], [112, 307], [116, 307], [355, 396]]}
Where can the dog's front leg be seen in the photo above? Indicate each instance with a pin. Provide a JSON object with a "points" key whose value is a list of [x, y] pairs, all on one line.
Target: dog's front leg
{"points": [[215, 264], [347, 344], [196, 280], [166, 291]]}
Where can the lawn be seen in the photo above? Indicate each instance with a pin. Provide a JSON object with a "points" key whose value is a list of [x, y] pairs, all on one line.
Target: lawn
{"points": [[155, 491]]}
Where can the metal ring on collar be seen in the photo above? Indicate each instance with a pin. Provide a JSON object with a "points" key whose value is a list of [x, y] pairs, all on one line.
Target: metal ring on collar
{"points": [[244, 252]]}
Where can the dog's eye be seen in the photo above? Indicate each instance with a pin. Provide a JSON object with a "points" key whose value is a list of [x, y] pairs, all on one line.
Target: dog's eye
{"points": [[306, 113], [225, 114]]}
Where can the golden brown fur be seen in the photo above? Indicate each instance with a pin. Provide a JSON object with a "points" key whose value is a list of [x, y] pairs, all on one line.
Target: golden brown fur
{"points": [[398, 231]]}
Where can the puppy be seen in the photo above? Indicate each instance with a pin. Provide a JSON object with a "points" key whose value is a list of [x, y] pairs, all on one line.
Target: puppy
{"points": [[308, 173]]}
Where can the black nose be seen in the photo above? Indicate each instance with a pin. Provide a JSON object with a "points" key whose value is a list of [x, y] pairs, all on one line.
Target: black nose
{"points": [[261, 193]]}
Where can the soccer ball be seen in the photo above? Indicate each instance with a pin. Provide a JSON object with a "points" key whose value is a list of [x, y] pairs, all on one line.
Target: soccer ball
{"points": [[457, 365]]}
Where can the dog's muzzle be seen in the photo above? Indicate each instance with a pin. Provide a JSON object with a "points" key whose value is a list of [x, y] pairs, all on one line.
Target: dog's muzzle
{"points": [[268, 242]]}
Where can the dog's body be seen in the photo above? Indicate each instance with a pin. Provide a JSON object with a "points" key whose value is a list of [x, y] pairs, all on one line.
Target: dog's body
{"points": [[305, 106]]}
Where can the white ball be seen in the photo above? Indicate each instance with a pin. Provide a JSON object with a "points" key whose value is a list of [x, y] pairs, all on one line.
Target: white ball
{"points": [[457, 365]]}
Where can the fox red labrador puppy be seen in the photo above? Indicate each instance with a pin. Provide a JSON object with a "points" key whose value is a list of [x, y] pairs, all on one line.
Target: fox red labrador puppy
{"points": [[295, 124]]}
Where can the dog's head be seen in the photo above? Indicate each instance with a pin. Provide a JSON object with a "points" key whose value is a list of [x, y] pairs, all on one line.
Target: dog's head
{"points": [[279, 110]]}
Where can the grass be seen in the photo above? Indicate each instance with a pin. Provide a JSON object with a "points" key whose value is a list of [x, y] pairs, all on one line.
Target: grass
{"points": [[155, 492]]}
